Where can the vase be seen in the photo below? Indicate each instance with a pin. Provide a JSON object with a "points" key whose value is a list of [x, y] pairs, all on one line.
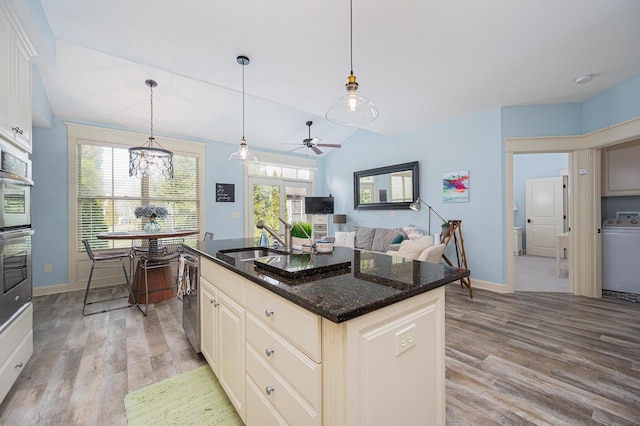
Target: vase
{"points": [[151, 226]]}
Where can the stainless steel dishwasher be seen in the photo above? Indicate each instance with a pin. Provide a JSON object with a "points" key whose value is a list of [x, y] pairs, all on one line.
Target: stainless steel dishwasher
{"points": [[191, 299]]}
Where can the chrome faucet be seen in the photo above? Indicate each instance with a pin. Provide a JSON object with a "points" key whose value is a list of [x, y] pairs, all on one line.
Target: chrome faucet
{"points": [[286, 241]]}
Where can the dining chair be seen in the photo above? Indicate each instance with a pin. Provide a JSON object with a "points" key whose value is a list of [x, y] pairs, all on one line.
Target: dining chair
{"points": [[157, 254], [102, 259]]}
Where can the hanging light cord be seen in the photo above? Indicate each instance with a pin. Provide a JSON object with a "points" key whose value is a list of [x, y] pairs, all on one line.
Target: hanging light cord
{"points": [[243, 101], [151, 138], [351, 34]]}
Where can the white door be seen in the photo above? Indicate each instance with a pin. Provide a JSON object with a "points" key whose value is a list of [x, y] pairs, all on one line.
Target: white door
{"points": [[545, 215]]}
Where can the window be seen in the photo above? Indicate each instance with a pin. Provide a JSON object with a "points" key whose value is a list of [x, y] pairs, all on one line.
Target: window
{"points": [[277, 187], [107, 197]]}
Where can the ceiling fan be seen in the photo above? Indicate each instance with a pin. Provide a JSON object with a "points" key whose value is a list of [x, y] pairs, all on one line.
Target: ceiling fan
{"points": [[313, 144]]}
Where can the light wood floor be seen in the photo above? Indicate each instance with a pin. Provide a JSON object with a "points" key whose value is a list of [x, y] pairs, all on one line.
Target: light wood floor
{"points": [[524, 358]]}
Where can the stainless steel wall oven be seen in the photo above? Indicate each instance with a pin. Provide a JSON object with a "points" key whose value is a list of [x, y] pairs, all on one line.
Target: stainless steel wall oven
{"points": [[15, 266], [15, 234]]}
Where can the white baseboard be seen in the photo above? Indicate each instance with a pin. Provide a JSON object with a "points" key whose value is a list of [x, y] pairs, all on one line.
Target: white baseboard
{"points": [[52, 289], [486, 285]]}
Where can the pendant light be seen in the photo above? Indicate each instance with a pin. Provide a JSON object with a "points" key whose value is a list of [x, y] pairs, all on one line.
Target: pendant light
{"points": [[243, 155], [148, 161], [351, 108]]}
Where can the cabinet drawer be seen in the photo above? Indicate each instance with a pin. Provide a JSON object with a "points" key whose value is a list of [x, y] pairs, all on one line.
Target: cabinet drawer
{"points": [[15, 364], [14, 334], [301, 327], [295, 367], [260, 411], [229, 282], [289, 404]]}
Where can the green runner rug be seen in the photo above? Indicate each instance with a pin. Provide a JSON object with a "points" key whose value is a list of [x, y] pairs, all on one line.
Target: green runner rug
{"points": [[192, 398]]}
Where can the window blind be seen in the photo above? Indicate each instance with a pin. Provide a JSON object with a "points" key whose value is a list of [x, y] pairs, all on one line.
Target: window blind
{"points": [[107, 197]]}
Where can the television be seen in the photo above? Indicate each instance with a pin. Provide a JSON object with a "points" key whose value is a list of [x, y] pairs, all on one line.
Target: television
{"points": [[318, 205]]}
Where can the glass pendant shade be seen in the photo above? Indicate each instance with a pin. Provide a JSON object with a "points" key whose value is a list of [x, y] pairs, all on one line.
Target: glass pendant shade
{"points": [[148, 161], [243, 154], [351, 108]]}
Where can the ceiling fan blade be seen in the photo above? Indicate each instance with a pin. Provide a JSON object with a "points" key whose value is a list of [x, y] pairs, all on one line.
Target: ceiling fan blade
{"points": [[330, 145], [295, 149], [297, 143], [316, 150]]}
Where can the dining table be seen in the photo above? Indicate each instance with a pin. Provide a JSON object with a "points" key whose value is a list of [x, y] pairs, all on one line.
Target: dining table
{"points": [[162, 281]]}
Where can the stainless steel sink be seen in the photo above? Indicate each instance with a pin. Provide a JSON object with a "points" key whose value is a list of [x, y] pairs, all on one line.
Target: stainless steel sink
{"points": [[251, 253]]}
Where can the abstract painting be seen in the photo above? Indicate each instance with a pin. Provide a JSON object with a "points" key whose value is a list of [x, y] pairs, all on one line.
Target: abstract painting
{"points": [[455, 187]]}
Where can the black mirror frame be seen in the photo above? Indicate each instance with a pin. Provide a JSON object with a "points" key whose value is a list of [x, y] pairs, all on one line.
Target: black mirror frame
{"points": [[413, 166]]}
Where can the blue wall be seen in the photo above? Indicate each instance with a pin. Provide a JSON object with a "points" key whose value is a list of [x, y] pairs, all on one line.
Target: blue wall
{"points": [[472, 143]]}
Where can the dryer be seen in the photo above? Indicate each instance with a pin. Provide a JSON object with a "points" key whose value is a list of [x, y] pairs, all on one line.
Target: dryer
{"points": [[621, 255]]}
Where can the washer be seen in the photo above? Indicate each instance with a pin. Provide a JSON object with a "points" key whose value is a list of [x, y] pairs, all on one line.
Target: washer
{"points": [[621, 255]]}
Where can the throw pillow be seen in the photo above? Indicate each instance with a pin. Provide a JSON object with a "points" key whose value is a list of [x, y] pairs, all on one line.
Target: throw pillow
{"points": [[414, 248], [397, 239], [412, 232], [345, 239]]}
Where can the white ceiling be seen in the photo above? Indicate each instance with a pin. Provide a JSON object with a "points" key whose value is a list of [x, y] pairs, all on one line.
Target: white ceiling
{"points": [[421, 62]]}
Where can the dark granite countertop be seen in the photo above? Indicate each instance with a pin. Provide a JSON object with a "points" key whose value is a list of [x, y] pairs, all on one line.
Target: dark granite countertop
{"points": [[338, 293]]}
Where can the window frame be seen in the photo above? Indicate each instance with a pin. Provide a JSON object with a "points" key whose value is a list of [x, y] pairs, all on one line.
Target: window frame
{"points": [[78, 134]]}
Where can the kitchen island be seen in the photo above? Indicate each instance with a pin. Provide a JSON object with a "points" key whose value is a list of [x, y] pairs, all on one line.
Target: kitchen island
{"points": [[343, 338]]}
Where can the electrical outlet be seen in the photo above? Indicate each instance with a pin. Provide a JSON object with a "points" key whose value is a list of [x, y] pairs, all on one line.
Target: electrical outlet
{"points": [[235, 215], [394, 214], [405, 339], [47, 268]]}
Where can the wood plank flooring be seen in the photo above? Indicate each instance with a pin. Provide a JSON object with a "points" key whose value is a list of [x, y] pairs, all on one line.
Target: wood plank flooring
{"points": [[521, 359]]}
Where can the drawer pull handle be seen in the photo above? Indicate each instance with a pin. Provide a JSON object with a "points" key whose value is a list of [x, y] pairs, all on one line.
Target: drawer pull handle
{"points": [[268, 312], [269, 389], [214, 302], [19, 365], [269, 351]]}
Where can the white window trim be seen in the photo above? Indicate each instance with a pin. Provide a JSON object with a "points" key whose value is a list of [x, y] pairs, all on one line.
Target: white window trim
{"points": [[118, 138]]}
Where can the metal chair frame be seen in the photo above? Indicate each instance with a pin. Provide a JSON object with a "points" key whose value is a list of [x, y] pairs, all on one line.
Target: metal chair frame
{"points": [[156, 254], [102, 260]]}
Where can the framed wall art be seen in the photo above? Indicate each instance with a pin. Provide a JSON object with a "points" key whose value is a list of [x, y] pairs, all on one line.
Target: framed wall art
{"points": [[455, 187]]}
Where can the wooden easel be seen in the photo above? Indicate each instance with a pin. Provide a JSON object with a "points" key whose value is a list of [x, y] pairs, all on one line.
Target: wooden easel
{"points": [[455, 233]]}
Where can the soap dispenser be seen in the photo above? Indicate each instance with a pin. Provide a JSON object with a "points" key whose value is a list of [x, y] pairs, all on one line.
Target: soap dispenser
{"points": [[264, 240]]}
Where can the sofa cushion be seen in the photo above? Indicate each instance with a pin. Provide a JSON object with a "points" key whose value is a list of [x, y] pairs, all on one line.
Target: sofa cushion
{"points": [[345, 239], [413, 248], [382, 239], [364, 238]]}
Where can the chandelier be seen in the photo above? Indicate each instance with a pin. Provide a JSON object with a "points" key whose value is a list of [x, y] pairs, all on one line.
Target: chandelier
{"points": [[148, 161]]}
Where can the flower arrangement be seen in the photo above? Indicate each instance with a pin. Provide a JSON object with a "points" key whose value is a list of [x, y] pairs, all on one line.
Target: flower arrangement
{"points": [[151, 212]]}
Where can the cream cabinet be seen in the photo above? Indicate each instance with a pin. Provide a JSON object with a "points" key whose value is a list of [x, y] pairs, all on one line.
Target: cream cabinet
{"points": [[384, 367], [223, 336], [621, 174], [16, 347], [283, 358], [15, 80]]}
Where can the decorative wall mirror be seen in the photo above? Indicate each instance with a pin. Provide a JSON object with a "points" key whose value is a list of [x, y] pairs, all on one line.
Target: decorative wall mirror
{"points": [[391, 187]]}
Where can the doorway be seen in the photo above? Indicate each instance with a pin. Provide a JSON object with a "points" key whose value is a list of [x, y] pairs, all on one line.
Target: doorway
{"points": [[540, 192]]}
